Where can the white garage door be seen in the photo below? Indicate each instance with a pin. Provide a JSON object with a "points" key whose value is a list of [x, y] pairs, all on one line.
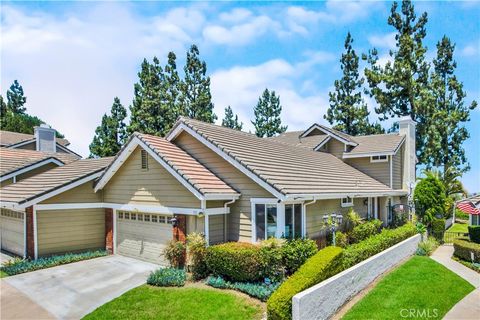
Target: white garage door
{"points": [[143, 235], [11, 231]]}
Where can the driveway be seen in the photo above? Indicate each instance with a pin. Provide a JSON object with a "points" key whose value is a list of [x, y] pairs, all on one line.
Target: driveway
{"points": [[72, 291]]}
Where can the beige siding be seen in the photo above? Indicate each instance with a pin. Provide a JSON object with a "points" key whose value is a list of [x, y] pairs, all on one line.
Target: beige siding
{"points": [[398, 169], [377, 170], [155, 186], [239, 219], [61, 231], [195, 224], [335, 147], [81, 194], [216, 230]]}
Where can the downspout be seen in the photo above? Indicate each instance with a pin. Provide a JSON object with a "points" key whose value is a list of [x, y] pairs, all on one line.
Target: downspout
{"points": [[304, 218], [203, 207], [225, 219]]}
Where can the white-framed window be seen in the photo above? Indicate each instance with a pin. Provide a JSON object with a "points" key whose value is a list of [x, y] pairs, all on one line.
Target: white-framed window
{"points": [[293, 221], [144, 156], [475, 219], [382, 158], [347, 202], [265, 220]]}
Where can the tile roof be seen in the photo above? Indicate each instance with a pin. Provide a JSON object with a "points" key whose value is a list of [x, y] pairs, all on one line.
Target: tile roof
{"points": [[12, 160], [189, 168], [51, 180], [8, 138], [293, 138], [288, 169]]}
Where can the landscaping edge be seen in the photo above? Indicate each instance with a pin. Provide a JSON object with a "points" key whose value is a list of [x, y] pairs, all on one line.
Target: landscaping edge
{"points": [[324, 299]]}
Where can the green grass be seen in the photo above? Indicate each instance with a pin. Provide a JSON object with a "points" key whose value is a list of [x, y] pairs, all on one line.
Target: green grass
{"points": [[3, 274], [147, 302], [421, 285], [459, 227]]}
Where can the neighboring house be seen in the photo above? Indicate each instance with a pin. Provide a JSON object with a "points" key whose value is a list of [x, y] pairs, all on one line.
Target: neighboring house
{"points": [[471, 206], [43, 139], [229, 185]]}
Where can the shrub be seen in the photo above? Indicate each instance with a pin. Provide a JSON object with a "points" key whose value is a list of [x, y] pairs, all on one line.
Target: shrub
{"points": [[429, 195], [324, 264], [352, 220], [474, 233], [438, 229], [196, 252], [21, 266], [365, 230], [174, 252], [257, 290], [341, 239], [463, 249], [271, 259], [358, 252], [235, 261], [295, 252], [167, 277], [426, 248]]}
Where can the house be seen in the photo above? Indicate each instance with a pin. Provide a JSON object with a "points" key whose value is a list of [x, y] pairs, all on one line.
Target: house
{"points": [[471, 206], [228, 184]]}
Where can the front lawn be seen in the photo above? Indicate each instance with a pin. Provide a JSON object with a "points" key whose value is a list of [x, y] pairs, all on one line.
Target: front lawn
{"points": [[420, 288], [147, 302], [458, 227]]}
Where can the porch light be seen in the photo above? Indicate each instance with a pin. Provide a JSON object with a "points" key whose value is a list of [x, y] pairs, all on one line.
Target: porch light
{"points": [[174, 222]]}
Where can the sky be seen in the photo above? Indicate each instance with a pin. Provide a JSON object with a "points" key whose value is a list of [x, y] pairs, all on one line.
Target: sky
{"points": [[73, 58]]}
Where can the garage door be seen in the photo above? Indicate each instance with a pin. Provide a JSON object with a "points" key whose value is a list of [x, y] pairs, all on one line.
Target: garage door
{"points": [[143, 236], [11, 231]]}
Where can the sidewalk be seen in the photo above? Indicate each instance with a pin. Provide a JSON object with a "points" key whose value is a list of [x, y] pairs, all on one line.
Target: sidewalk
{"points": [[468, 307]]}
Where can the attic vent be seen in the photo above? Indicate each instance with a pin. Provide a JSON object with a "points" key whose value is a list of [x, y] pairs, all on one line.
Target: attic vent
{"points": [[144, 160]]}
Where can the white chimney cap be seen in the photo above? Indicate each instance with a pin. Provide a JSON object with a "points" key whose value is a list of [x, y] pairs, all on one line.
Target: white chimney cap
{"points": [[406, 120]]}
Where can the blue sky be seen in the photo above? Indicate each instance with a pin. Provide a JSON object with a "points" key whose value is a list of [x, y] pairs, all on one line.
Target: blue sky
{"points": [[73, 58]]}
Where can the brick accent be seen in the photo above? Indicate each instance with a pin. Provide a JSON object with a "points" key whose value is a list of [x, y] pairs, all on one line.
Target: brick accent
{"points": [[109, 230], [180, 231], [30, 232]]}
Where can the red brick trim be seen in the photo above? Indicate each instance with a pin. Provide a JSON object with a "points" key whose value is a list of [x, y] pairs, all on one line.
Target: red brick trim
{"points": [[109, 230], [30, 232], [180, 231]]}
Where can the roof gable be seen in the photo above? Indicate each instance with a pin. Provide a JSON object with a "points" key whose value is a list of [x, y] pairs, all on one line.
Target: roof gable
{"points": [[316, 128]]}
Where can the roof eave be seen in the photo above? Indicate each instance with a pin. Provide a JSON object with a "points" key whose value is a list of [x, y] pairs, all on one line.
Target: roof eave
{"points": [[351, 194]]}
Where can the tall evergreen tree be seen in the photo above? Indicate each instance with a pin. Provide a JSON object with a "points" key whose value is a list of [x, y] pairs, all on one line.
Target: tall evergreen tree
{"points": [[15, 98], [230, 121], [111, 134], [401, 86], [171, 106], [348, 111], [3, 107], [196, 96], [448, 114], [145, 107], [267, 115]]}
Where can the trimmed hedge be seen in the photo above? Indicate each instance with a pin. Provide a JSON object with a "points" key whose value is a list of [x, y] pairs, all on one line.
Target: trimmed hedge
{"points": [[236, 261], [167, 277], [295, 252], [474, 233], [258, 290], [438, 229], [365, 230], [463, 248], [22, 266], [324, 264]]}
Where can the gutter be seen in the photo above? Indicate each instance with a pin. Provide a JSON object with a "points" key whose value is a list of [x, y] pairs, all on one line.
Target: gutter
{"points": [[304, 218]]}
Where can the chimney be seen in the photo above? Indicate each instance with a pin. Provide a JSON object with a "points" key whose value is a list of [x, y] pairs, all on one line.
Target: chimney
{"points": [[407, 128], [45, 137]]}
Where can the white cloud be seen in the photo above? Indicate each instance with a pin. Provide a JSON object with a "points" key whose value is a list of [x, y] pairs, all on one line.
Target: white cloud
{"points": [[236, 15], [386, 41], [471, 50]]}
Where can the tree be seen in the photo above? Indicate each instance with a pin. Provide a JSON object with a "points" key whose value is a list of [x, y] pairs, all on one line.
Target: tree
{"points": [[230, 121], [429, 197], [267, 115], [15, 98], [196, 96], [401, 87], [348, 111], [111, 134], [171, 106], [446, 132], [3, 107]]}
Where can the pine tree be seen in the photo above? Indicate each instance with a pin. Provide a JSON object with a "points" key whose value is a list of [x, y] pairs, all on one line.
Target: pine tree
{"points": [[3, 107], [230, 121], [401, 86], [111, 134], [348, 111], [15, 98], [145, 107], [170, 107], [448, 114], [267, 115], [196, 96]]}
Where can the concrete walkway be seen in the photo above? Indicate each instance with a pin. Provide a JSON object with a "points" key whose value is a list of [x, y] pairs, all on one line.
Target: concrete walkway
{"points": [[468, 307], [16, 305]]}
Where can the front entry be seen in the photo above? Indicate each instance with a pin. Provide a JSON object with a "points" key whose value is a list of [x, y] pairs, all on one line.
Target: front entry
{"points": [[143, 235]]}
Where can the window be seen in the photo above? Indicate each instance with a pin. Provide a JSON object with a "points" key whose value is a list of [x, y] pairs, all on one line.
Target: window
{"points": [[154, 218], [127, 215], [144, 160], [133, 216], [266, 221], [146, 218], [347, 202], [383, 158], [140, 217], [475, 219], [120, 215], [293, 221]]}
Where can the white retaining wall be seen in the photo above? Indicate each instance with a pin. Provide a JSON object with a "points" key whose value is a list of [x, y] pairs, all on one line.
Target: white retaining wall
{"points": [[324, 299]]}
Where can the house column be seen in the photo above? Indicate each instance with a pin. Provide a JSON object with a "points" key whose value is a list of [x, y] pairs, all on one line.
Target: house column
{"points": [[375, 209], [109, 230], [29, 233], [280, 220]]}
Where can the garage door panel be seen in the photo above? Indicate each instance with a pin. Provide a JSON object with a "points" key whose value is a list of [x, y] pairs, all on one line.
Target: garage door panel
{"points": [[11, 231]]}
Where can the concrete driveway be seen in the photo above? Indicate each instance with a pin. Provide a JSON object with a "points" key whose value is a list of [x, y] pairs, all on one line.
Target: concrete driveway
{"points": [[72, 291]]}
